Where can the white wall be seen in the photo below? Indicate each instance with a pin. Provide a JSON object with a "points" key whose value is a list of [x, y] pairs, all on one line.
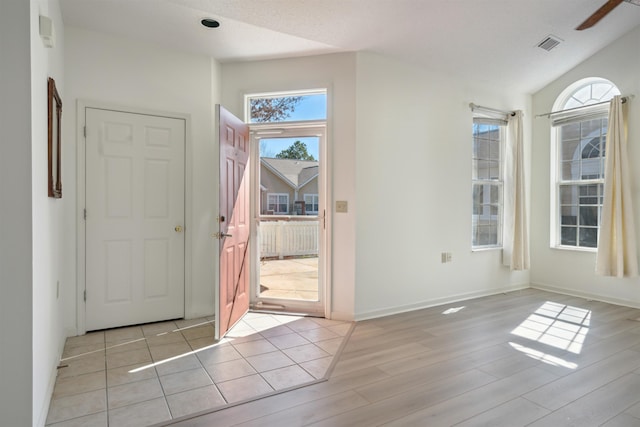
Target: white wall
{"points": [[413, 189], [128, 73], [49, 236], [337, 74], [31, 224], [401, 156], [15, 215], [573, 271]]}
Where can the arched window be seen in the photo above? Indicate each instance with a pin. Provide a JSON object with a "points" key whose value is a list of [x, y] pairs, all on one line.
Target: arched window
{"points": [[580, 129], [590, 91]]}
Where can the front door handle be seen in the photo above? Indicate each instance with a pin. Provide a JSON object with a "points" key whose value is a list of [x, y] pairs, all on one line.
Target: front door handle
{"points": [[220, 235]]}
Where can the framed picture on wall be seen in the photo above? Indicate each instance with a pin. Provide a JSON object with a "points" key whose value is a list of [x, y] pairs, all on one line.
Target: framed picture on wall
{"points": [[55, 113]]}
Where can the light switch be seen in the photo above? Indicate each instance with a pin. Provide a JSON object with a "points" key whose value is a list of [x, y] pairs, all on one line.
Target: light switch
{"points": [[342, 206]]}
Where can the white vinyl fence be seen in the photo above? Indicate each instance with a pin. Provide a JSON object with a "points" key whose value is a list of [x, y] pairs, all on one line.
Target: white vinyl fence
{"points": [[288, 238]]}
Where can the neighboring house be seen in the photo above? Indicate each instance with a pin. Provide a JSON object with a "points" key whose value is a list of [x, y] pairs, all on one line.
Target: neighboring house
{"points": [[288, 187]]}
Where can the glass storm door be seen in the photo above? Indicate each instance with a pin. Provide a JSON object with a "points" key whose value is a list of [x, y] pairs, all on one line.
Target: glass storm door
{"points": [[289, 208]]}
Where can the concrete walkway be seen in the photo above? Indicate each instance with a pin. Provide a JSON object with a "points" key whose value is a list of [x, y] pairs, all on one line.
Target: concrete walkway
{"points": [[290, 278]]}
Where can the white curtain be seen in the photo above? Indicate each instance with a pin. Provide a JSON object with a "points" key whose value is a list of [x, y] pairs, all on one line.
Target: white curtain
{"points": [[617, 255], [515, 238]]}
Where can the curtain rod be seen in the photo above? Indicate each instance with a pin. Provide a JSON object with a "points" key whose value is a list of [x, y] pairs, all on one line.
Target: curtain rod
{"points": [[493, 110], [624, 100]]}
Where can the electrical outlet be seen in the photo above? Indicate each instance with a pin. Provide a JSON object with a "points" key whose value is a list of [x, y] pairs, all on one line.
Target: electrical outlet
{"points": [[342, 206]]}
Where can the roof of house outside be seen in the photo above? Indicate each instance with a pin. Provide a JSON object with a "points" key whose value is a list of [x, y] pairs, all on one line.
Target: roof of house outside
{"points": [[296, 172]]}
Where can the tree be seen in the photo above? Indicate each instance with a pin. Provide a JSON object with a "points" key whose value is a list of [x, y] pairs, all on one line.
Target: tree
{"points": [[265, 110], [297, 151]]}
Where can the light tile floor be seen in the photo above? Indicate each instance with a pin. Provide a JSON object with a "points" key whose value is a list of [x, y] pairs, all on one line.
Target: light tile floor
{"points": [[143, 375]]}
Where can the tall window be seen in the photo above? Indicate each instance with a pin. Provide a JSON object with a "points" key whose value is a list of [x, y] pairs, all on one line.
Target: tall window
{"points": [[580, 149], [487, 183], [278, 203]]}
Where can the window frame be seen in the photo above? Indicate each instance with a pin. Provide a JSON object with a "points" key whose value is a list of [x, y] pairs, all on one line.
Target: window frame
{"points": [[497, 182], [592, 109], [314, 197], [577, 184], [294, 93], [278, 195]]}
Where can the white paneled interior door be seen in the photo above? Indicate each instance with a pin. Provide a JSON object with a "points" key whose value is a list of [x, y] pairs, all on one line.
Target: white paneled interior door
{"points": [[135, 204]]}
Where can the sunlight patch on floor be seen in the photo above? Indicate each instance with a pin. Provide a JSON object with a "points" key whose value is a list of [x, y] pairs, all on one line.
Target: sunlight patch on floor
{"points": [[453, 310], [543, 357], [557, 325]]}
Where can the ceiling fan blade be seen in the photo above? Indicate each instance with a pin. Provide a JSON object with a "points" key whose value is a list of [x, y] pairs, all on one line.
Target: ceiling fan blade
{"points": [[599, 14]]}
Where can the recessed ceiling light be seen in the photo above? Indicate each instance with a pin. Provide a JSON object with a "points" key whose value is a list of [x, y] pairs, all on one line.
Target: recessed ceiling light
{"points": [[210, 23]]}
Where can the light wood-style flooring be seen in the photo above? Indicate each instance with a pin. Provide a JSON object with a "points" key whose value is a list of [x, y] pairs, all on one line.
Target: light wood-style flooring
{"points": [[524, 358]]}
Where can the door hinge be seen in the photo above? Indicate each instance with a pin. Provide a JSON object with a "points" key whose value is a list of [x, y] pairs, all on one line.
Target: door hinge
{"points": [[85, 296], [85, 131], [324, 219], [85, 214]]}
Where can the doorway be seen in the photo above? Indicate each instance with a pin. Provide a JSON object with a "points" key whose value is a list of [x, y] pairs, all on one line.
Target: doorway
{"points": [[289, 207], [132, 195]]}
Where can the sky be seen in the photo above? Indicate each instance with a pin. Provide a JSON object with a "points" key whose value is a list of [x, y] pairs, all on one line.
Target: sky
{"points": [[312, 107]]}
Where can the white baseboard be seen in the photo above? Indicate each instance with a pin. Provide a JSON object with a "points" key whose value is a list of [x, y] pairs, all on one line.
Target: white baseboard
{"points": [[438, 301], [585, 295], [338, 315]]}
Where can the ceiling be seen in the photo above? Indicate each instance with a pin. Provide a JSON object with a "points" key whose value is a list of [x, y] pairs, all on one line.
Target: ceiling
{"points": [[492, 42]]}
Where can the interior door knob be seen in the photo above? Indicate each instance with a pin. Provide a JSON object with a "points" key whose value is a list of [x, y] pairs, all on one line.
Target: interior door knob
{"points": [[178, 229]]}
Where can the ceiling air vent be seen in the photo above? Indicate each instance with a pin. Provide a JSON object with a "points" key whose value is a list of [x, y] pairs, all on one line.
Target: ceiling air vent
{"points": [[549, 42]]}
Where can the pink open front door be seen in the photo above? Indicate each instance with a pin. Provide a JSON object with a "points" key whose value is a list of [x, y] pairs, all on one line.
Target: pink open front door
{"points": [[233, 295]]}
